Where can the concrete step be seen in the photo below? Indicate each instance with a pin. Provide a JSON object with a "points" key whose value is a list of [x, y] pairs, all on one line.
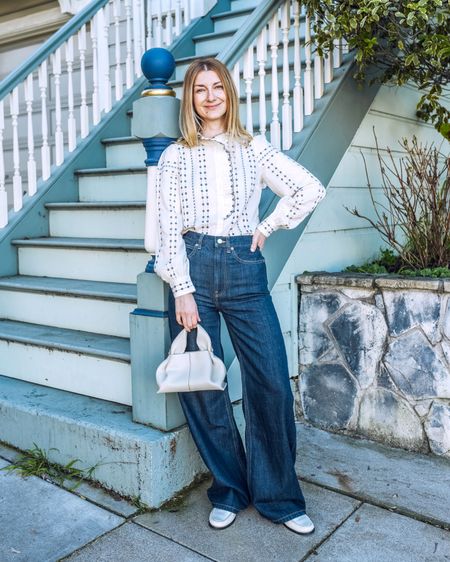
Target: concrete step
{"points": [[91, 306], [230, 20], [82, 362], [214, 41], [126, 183], [241, 4], [134, 460], [94, 259], [97, 219], [124, 152]]}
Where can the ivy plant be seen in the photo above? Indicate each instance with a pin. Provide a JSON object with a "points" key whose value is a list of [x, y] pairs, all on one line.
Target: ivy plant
{"points": [[405, 41]]}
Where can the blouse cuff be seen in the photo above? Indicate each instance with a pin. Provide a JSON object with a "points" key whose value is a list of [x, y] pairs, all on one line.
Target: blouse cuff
{"points": [[182, 286], [267, 226]]}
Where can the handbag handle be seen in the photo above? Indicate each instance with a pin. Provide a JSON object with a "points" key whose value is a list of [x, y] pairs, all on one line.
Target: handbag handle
{"points": [[191, 341], [201, 339]]}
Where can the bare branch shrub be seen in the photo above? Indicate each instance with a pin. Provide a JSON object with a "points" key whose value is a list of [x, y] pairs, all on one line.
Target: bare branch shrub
{"points": [[415, 220]]}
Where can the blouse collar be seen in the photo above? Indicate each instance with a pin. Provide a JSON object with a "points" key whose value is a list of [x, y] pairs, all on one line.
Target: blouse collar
{"points": [[223, 138]]}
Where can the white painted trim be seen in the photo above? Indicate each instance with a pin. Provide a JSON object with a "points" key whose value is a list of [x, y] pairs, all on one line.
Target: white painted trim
{"points": [[72, 6]]}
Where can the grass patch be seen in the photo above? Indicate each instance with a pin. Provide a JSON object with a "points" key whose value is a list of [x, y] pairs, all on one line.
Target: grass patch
{"points": [[35, 462]]}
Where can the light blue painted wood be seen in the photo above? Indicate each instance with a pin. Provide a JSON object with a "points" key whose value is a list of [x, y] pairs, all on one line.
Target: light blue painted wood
{"points": [[331, 215], [230, 20], [150, 341], [111, 347], [331, 251], [134, 459], [122, 292]]}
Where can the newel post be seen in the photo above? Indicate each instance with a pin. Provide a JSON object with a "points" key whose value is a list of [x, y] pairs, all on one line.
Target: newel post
{"points": [[155, 122]]}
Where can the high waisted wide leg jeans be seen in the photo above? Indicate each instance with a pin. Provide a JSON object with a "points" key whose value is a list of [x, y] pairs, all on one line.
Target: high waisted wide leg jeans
{"points": [[231, 280]]}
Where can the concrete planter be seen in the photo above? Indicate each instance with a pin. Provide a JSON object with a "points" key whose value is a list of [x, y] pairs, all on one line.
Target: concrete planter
{"points": [[374, 355]]}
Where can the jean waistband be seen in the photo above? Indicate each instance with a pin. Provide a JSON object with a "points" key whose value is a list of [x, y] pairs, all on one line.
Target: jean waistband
{"points": [[217, 241]]}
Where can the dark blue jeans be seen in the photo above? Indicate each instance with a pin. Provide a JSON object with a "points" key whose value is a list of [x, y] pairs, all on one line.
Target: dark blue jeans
{"points": [[231, 280]]}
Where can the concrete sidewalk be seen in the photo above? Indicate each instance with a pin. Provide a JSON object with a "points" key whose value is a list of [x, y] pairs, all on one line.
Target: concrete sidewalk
{"points": [[368, 502]]}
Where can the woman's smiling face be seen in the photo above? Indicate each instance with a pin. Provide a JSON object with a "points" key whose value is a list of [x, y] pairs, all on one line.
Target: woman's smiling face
{"points": [[210, 100]]}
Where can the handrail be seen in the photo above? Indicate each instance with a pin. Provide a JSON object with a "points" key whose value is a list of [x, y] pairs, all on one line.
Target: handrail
{"points": [[49, 46]]}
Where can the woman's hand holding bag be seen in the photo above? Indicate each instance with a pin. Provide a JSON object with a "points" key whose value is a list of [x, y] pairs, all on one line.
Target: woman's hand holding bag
{"points": [[191, 365]]}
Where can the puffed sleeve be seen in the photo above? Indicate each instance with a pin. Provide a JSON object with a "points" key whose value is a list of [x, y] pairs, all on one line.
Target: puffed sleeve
{"points": [[298, 189], [171, 263]]}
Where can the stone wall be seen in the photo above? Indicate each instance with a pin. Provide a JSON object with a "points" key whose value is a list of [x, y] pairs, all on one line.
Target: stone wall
{"points": [[374, 358]]}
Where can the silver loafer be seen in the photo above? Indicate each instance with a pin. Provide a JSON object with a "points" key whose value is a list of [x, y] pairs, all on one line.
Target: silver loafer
{"points": [[221, 518], [301, 525]]}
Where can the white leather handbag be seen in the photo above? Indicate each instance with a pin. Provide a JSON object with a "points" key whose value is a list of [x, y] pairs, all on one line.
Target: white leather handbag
{"points": [[191, 365]]}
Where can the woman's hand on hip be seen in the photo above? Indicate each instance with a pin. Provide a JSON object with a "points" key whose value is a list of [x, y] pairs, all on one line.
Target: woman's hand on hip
{"points": [[257, 240], [186, 311]]}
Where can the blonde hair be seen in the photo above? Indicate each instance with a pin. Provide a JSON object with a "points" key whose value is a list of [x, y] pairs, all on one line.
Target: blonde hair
{"points": [[190, 121]]}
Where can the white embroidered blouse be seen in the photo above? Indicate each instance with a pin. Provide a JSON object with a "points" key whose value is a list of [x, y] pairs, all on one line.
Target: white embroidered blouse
{"points": [[215, 188]]}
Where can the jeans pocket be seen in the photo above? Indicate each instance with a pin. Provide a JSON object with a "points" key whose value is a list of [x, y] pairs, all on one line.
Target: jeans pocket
{"points": [[191, 249], [244, 255]]}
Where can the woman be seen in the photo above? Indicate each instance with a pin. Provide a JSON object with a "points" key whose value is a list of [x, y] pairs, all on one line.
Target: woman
{"points": [[208, 190]]}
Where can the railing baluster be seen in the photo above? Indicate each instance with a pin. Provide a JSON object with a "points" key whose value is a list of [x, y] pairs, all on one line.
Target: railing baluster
{"points": [[3, 194], [95, 87], [261, 57], [149, 25], [138, 51], [104, 81], [318, 75], [236, 73], [142, 37], [168, 24], [337, 53], [187, 13], [31, 163], [344, 46], [71, 124], [286, 111], [129, 58], [328, 73], [298, 90], [328, 70], [275, 132], [178, 23], [308, 87], [17, 178], [248, 74], [158, 24], [84, 112], [118, 70], [45, 149], [59, 137]]}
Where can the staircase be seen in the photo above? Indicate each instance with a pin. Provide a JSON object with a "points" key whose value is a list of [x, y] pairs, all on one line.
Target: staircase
{"points": [[64, 317]]}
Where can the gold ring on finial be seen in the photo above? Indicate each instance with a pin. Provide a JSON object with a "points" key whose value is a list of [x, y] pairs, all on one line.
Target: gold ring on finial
{"points": [[158, 92]]}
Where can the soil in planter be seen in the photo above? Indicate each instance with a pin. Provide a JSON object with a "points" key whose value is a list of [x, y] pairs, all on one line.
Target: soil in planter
{"points": [[388, 262]]}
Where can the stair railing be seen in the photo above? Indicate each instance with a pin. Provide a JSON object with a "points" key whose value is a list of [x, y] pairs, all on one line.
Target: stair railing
{"points": [[275, 28], [51, 102]]}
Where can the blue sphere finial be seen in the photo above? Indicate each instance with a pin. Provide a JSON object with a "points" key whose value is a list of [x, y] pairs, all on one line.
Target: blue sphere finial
{"points": [[158, 65]]}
